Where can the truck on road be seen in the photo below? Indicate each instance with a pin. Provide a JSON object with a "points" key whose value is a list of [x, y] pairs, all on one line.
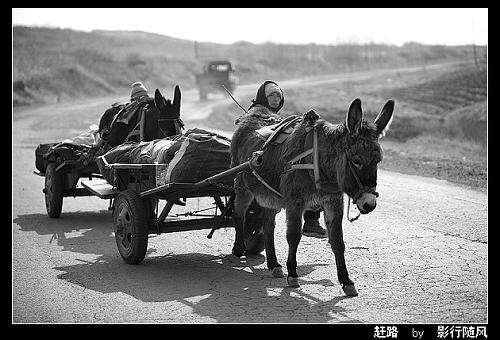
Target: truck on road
{"points": [[215, 74]]}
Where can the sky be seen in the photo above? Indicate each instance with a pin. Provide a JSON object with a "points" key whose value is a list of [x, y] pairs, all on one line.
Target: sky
{"points": [[435, 26]]}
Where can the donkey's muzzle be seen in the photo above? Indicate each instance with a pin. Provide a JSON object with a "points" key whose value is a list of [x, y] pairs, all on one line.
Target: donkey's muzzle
{"points": [[367, 202]]}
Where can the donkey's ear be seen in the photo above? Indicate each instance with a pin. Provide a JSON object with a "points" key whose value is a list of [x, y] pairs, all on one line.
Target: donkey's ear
{"points": [[159, 99], [354, 117], [177, 98], [384, 118]]}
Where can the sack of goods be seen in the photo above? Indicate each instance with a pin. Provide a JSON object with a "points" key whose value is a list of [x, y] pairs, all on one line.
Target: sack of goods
{"points": [[188, 158], [67, 149]]}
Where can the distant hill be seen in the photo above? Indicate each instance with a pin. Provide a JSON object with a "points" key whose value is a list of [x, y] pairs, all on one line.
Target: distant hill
{"points": [[52, 64]]}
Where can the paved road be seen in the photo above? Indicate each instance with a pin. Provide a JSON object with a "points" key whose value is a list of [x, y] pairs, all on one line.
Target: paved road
{"points": [[420, 257]]}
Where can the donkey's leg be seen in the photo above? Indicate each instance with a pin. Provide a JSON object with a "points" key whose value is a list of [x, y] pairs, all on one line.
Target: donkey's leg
{"points": [[242, 201], [293, 236], [269, 223], [333, 216]]}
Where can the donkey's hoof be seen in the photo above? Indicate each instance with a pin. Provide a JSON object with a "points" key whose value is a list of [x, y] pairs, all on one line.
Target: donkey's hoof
{"points": [[350, 290], [293, 282], [238, 252], [277, 272]]}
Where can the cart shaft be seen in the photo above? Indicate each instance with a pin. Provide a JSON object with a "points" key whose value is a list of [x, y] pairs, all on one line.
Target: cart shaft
{"points": [[184, 188]]}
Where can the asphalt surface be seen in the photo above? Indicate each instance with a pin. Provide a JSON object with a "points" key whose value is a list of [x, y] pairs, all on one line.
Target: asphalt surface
{"points": [[420, 257]]}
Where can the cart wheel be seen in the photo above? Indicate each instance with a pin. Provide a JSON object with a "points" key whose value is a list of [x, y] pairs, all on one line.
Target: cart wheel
{"points": [[131, 227], [53, 191], [253, 231]]}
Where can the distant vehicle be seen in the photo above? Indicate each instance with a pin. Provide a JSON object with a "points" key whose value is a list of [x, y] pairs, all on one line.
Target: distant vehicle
{"points": [[215, 74]]}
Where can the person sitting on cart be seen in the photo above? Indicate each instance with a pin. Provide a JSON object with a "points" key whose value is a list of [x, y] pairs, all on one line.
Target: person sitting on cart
{"points": [[138, 91], [270, 95], [124, 111]]}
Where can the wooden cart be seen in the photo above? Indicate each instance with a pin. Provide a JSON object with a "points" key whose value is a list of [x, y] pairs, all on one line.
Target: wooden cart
{"points": [[136, 207], [135, 197]]}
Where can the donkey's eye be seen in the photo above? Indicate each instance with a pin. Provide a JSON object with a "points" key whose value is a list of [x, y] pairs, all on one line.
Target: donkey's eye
{"points": [[357, 162]]}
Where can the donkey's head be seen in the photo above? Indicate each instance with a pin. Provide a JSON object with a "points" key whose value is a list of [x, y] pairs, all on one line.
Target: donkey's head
{"points": [[357, 172], [169, 119]]}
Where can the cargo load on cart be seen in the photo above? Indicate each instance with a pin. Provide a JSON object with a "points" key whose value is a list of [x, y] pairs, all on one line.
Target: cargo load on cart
{"points": [[188, 158]]}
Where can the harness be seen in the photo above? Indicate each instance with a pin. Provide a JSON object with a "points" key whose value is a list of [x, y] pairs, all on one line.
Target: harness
{"points": [[139, 106], [311, 163], [277, 134], [137, 131], [272, 134], [128, 109], [306, 160], [139, 128]]}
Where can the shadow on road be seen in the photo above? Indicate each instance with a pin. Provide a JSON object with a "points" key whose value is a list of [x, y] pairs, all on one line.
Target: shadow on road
{"points": [[211, 285], [221, 287], [94, 230]]}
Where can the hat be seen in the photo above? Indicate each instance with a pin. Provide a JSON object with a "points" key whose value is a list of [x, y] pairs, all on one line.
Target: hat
{"points": [[271, 88], [138, 90]]}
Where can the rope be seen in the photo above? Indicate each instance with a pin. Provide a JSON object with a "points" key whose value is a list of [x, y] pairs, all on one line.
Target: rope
{"points": [[349, 209]]}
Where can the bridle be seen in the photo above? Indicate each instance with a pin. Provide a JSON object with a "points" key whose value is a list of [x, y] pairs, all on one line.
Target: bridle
{"points": [[178, 123], [362, 188]]}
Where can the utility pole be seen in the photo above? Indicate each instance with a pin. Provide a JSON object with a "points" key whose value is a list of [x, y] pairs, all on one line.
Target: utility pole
{"points": [[474, 43], [196, 52]]}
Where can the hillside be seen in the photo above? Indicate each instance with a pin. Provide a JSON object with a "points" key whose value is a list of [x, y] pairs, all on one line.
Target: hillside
{"points": [[454, 103], [51, 64], [440, 123]]}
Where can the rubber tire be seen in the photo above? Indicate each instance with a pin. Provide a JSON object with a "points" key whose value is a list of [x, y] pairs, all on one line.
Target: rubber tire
{"points": [[131, 227], [53, 191]]}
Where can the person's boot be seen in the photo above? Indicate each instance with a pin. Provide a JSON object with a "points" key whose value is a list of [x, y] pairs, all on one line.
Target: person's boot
{"points": [[311, 226]]}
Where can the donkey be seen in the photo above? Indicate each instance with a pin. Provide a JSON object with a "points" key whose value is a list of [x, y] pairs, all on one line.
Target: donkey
{"points": [[345, 156], [162, 119]]}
